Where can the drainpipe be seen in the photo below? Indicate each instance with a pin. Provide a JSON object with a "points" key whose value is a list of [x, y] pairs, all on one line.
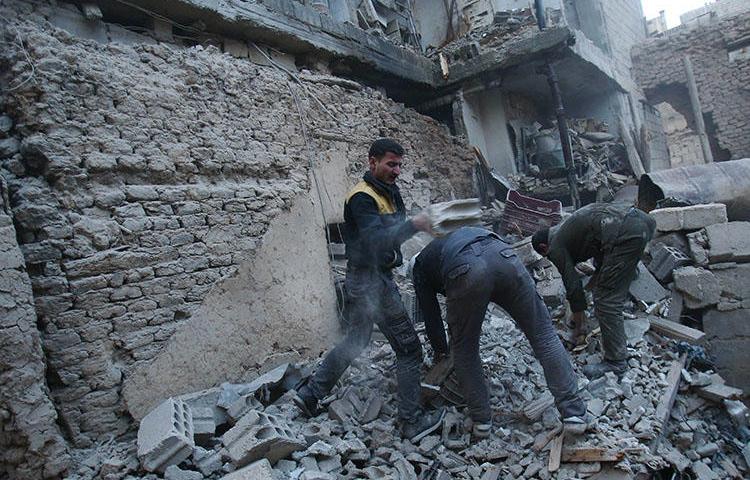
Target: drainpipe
{"points": [[562, 121]]}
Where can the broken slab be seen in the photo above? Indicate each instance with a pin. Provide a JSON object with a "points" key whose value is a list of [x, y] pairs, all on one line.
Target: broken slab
{"points": [[723, 242], [676, 330], [699, 286], [260, 470], [728, 342], [447, 217], [165, 436], [693, 217], [259, 435], [591, 454], [645, 287]]}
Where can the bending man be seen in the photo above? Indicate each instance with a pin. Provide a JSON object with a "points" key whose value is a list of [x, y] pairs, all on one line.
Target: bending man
{"points": [[615, 235], [473, 267]]}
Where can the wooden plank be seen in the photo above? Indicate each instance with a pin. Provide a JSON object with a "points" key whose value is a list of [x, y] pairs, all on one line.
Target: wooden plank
{"points": [[664, 408], [543, 440], [675, 330], [591, 454], [633, 157], [555, 453]]}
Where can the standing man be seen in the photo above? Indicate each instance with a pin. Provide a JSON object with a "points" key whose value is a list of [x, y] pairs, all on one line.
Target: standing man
{"points": [[615, 235], [473, 267], [375, 227]]}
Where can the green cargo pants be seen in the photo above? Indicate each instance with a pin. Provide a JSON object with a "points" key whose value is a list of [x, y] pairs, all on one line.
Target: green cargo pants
{"points": [[618, 269]]}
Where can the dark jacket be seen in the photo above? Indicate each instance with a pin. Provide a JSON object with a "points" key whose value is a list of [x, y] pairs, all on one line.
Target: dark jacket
{"points": [[373, 235], [588, 233], [432, 270]]}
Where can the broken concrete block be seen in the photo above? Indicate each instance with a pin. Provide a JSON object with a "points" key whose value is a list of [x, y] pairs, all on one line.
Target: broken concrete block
{"points": [[552, 291], [664, 260], [676, 306], [728, 342], [165, 436], [236, 48], [449, 216], [635, 329], [242, 405], [204, 425], [699, 286], [689, 218], [260, 470], [645, 287], [207, 399], [734, 281], [207, 461], [259, 435], [723, 242], [173, 472], [704, 472]]}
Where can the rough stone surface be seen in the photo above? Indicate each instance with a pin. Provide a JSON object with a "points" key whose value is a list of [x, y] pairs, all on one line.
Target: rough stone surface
{"points": [[689, 218], [728, 242], [645, 287], [699, 286], [164, 200], [728, 342], [260, 470], [31, 445]]}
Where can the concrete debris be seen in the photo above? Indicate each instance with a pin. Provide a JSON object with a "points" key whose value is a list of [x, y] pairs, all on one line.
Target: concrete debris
{"points": [[260, 470], [449, 216], [165, 436], [723, 242], [259, 435], [646, 288], [694, 217], [664, 260], [699, 287]]}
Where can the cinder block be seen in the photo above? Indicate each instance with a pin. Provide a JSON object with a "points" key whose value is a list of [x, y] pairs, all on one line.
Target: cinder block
{"points": [[260, 470], [694, 217], [258, 435], [204, 425], [165, 436], [699, 286], [243, 405], [734, 280], [664, 260]]}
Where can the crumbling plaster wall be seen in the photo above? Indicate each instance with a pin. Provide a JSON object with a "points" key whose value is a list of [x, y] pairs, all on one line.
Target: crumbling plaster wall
{"points": [[31, 445], [167, 215], [722, 84]]}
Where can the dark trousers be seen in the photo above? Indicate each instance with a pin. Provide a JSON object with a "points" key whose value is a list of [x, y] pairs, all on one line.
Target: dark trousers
{"points": [[618, 269], [374, 298], [488, 271]]}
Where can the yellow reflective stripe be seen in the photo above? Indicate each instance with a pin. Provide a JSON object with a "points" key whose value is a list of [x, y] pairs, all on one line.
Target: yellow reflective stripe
{"points": [[384, 203]]}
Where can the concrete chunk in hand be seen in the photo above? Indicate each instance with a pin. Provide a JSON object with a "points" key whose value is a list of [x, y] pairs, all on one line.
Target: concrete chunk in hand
{"points": [[449, 216]]}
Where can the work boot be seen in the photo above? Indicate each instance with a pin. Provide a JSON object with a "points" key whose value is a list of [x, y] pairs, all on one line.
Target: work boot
{"points": [[423, 425], [306, 402], [617, 367], [577, 425]]}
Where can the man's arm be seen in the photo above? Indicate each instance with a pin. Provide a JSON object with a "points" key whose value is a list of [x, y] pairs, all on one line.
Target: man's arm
{"points": [[572, 281], [429, 309], [377, 238]]}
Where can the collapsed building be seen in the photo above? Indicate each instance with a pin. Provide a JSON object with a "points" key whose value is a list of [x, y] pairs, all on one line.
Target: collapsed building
{"points": [[173, 173]]}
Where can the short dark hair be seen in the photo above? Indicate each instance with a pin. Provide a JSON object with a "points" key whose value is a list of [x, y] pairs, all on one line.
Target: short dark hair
{"points": [[381, 146], [541, 236]]}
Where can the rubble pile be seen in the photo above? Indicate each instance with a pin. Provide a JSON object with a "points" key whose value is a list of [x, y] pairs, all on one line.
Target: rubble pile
{"points": [[600, 160], [253, 431], [507, 25]]}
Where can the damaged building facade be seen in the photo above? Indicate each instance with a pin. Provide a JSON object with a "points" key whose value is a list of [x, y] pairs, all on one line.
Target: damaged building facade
{"points": [[696, 76], [172, 172]]}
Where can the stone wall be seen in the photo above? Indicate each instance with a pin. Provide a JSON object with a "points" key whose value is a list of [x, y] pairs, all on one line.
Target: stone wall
{"points": [[30, 442], [168, 216], [722, 83]]}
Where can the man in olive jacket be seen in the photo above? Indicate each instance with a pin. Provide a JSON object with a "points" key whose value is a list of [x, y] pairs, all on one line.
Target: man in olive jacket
{"points": [[615, 235]]}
